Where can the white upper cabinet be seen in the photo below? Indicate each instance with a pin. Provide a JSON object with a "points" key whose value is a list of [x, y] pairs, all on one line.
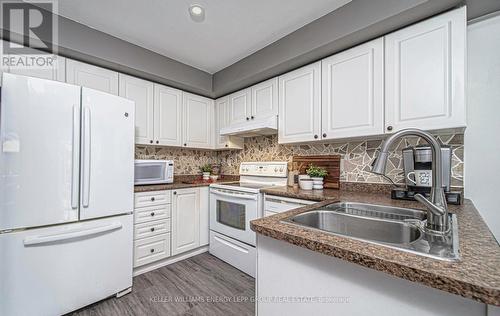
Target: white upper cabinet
{"points": [[185, 220], [425, 74], [264, 99], [56, 72], [221, 121], [141, 92], [352, 102], [300, 105], [91, 76], [198, 117], [240, 106], [167, 116]]}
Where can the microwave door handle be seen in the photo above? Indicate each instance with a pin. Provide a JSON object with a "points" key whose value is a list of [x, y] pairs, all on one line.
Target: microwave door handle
{"points": [[239, 196]]}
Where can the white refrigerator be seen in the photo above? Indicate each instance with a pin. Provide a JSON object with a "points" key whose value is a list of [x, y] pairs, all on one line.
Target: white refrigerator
{"points": [[66, 196]]}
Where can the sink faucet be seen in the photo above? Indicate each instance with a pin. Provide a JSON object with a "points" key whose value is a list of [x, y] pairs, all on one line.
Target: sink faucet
{"points": [[437, 210]]}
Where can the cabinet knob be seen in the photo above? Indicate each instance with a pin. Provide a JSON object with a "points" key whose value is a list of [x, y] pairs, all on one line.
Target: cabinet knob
{"points": [[157, 141], [151, 141], [248, 118], [152, 250], [324, 134], [152, 199], [226, 145], [175, 192], [389, 128], [315, 136], [152, 229], [185, 144], [252, 117], [152, 213]]}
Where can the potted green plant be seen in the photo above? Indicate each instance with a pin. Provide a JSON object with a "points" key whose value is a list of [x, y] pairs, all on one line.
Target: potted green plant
{"points": [[206, 169], [317, 174]]}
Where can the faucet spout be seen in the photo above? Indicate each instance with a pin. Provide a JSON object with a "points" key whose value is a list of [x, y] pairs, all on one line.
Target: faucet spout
{"points": [[437, 209]]}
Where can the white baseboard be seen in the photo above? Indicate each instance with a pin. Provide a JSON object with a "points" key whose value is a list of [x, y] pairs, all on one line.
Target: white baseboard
{"points": [[165, 262]]}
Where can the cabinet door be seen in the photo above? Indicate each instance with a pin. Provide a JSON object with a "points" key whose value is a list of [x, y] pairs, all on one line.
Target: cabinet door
{"points": [[240, 106], [141, 92], [300, 105], [167, 116], [221, 121], [198, 121], [185, 220], [56, 72], [265, 99], [425, 73], [204, 216], [91, 76], [352, 101]]}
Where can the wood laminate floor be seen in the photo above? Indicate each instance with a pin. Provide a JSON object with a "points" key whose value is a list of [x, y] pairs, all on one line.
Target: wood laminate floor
{"points": [[200, 285]]}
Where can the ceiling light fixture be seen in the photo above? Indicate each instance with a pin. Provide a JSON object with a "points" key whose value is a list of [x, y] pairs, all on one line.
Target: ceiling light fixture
{"points": [[197, 13]]}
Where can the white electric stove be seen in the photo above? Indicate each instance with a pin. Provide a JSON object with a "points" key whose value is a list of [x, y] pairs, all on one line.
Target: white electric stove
{"points": [[234, 205]]}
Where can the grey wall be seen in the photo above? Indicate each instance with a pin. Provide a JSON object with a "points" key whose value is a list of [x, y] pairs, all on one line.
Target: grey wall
{"points": [[83, 43], [354, 23]]}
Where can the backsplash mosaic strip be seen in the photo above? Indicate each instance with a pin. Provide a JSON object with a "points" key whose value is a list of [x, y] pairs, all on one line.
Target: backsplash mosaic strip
{"points": [[357, 156], [186, 161]]}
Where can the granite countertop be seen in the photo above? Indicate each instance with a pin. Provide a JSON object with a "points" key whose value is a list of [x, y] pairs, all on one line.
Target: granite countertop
{"points": [[184, 181], [476, 275]]}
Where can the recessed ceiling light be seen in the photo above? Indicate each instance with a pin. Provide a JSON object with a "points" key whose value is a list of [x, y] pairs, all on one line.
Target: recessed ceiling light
{"points": [[197, 13]]}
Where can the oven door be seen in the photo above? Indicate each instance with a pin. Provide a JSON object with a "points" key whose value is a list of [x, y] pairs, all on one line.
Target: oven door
{"points": [[231, 213]]}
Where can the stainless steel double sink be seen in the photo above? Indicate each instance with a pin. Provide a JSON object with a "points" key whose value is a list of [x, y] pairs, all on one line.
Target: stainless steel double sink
{"points": [[394, 227]]}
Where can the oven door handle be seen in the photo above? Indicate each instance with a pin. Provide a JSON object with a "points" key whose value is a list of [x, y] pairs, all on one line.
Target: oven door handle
{"points": [[238, 196]]}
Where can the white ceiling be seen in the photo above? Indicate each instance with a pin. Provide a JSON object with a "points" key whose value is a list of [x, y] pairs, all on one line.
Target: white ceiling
{"points": [[232, 30]]}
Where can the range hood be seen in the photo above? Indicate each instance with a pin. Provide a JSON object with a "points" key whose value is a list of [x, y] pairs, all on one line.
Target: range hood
{"points": [[258, 127]]}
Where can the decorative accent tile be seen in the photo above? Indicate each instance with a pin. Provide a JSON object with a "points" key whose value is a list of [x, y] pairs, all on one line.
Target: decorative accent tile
{"points": [[357, 156]]}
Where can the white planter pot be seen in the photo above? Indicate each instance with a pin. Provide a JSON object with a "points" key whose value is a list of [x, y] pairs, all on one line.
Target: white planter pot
{"points": [[317, 183], [206, 175]]}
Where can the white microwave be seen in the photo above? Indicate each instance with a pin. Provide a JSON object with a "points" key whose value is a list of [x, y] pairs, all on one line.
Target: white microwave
{"points": [[153, 171]]}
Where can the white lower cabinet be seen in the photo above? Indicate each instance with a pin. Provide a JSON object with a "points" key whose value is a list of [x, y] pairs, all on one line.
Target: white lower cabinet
{"points": [[204, 216], [152, 226], [185, 220]]}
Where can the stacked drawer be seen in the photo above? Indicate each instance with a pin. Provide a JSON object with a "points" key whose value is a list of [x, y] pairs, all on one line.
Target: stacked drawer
{"points": [[277, 204], [152, 211]]}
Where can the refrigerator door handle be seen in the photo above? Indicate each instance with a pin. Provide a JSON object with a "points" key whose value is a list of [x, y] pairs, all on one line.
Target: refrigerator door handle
{"points": [[76, 157], [86, 157], [44, 239]]}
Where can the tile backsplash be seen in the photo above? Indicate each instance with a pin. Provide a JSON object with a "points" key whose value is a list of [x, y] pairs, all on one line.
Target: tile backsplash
{"points": [[357, 156], [186, 161]]}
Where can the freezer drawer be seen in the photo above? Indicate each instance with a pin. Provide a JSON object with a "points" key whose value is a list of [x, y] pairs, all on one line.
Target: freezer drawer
{"points": [[152, 213], [151, 249], [152, 198], [55, 270]]}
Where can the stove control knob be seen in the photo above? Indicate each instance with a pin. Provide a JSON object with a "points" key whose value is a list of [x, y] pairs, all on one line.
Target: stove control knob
{"points": [[275, 169]]}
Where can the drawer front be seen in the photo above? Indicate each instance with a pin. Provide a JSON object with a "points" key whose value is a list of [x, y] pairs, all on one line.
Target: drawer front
{"points": [[151, 249], [279, 206], [152, 213], [150, 229], [144, 199]]}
